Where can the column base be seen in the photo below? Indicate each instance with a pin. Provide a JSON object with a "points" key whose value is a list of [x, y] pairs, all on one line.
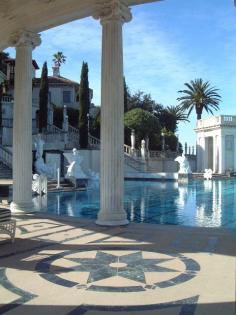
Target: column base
{"points": [[22, 206], [109, 219]]}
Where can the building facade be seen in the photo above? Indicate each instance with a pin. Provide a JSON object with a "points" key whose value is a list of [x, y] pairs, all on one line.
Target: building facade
{"points": [[216, 144], [62, 92]]}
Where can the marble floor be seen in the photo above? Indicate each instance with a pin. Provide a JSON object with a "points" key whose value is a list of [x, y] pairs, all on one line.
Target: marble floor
{"points": [[63, 266]]}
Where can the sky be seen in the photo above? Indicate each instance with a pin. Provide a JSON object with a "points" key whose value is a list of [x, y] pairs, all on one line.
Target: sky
{"points": [[166, 44]]}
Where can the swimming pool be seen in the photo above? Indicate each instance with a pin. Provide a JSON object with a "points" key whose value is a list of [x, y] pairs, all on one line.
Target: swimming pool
{"points": [[199, 203]]}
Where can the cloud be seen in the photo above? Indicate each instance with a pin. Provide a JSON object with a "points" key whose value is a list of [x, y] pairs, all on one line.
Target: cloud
{"points": [[161, 51], [158, 61]]}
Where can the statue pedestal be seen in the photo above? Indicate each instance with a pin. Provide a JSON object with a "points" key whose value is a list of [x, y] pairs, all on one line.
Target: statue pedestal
{"points": [[81, 182], [78, 182], [184, 178]]}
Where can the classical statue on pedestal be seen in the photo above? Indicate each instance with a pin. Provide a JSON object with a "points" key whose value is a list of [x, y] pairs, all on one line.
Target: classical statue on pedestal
{"points": [[184, 166], [40, 166], [75, 171]]}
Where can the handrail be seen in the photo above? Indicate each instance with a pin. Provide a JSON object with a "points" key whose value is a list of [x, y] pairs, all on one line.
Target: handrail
{"points": [[94, 142], [73, 135], [94, 139], [5, 156], [7, 122], [54, 129], [72, 129], [7, 99]]}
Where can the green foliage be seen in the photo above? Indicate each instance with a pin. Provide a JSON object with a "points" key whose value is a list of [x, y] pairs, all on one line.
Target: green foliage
{"points": [[73, 117], [43, 99], [58, 116], [59, 58], [142, 101], [178, 112], [95, 124], [170, 140], [126, 96], [144, 124], [84, 101], [72, 113], [199, 95], [167, 120]]}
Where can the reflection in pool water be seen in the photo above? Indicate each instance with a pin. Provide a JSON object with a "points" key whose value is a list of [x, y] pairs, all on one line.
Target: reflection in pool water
{"points": [[199, 203]]}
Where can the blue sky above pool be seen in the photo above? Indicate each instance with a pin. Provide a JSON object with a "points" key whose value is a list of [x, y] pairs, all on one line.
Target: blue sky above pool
{"points": [[166, 44]]}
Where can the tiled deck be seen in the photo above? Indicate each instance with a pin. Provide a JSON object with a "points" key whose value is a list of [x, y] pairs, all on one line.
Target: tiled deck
{"points": [[75, 267]]}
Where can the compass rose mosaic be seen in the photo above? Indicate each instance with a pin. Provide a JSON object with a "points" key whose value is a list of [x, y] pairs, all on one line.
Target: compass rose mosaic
{"points": [[117, 271]]}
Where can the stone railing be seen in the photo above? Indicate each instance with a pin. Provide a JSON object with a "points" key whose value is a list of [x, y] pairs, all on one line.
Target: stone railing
{"points": [[227, 119], [5, 156], [73, 134], [131, 152], [53, 134], [162, 154], [216, 121], [94, 142], [7, 99], [54, 129], [127, 149], [7, 123]]}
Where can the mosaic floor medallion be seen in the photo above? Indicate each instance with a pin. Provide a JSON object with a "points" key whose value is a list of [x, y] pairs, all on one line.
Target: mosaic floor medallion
{"points": [[117, 271]]}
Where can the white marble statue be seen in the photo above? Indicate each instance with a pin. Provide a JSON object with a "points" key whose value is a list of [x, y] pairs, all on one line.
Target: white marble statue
{"points": [[143, 149], [39, 184], [74, 168], [39, 144], [40, 166], [184, 166], [208, 173]]}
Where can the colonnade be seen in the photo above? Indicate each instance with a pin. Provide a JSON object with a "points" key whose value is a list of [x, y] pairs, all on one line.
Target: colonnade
{"points": [[112, 15]]}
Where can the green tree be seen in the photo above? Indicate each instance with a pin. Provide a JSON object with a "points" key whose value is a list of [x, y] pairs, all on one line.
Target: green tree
{"points": [[166, 119], [95, 125], [199, 95], [3, 65], [43, 99], [72, 113], [145, 125], [178, 112], [126, 96], [141, 100], [59, 58], [170, 140], [58, 116], [84, 101]]}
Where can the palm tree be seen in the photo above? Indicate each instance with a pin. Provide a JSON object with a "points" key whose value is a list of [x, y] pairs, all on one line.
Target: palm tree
{"points": [[178, 112], [59, 58], [199, 95]]}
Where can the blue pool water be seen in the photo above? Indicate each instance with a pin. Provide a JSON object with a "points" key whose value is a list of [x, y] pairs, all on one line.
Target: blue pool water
{"points": [[200, 203]]}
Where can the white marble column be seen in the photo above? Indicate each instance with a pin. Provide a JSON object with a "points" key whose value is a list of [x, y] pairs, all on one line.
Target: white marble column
{"points": [[24, 42], [215, 154], [221, 154], [234, 149], [112, 14], [201, 147]]}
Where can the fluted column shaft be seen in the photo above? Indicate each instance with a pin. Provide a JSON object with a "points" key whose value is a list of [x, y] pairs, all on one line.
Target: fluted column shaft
{"points": [[22, 121], [112, 117]]}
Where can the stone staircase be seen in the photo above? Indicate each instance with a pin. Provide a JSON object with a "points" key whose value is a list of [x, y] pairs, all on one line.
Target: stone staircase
{"points": [[138, 165], [5, 163], [65, 185], [5, 171], [214, 176]]}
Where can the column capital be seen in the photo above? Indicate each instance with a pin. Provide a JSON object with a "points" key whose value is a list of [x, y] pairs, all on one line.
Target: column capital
{"points": [[112, 10], [25, 38]]}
